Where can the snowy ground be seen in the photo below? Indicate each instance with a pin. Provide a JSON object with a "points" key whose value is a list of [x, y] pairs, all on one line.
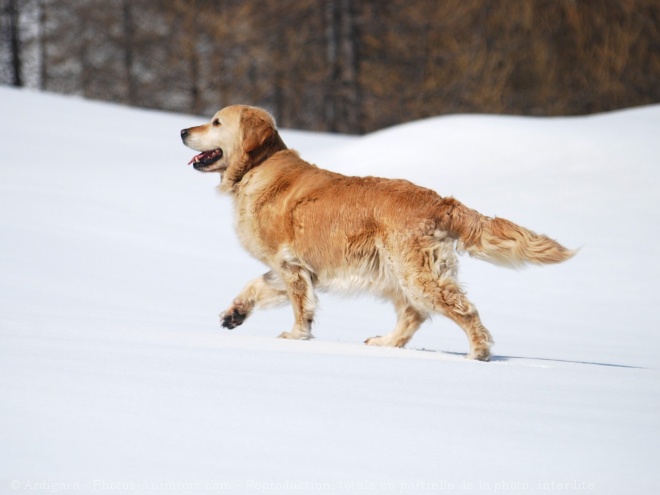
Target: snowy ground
{"points": [[115, 259]]}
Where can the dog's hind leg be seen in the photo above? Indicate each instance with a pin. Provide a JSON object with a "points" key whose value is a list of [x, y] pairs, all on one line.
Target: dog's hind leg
{"points": [[408, 321], [262, 292], [426, 270], [450, 300], [300, 290]]}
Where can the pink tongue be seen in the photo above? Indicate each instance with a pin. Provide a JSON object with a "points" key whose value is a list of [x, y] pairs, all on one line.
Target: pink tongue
{"points": [[196, 157], [203, 155]]}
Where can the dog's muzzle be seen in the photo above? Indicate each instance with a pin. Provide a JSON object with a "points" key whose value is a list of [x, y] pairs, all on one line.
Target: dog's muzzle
{"points": [[205, 158]]}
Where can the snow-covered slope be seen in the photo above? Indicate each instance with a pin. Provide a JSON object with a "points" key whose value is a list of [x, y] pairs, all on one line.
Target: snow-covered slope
{"points": [[115, 259]]}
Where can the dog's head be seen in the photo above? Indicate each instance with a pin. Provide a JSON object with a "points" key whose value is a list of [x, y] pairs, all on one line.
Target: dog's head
{"points": [[236, 139]]}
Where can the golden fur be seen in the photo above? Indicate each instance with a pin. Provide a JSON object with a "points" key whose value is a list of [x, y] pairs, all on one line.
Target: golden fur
{"points": [[317, 229]]}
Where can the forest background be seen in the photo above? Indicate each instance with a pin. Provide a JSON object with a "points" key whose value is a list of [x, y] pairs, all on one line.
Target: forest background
{"points": [[345, 66]]}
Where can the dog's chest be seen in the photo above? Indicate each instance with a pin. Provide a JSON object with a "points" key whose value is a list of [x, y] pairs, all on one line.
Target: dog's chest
{"points": [[255, 223], [246, 224]]}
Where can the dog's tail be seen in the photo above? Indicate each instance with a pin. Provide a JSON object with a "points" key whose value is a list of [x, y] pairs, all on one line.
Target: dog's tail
{"points": [[498, 240]]}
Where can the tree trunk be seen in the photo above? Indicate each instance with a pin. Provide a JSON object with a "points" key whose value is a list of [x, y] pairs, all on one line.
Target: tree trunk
{"points": [[15, 43], [351, 97], [127, 13], [43, 46], [342, 105], [192, 18], [331, 20]]}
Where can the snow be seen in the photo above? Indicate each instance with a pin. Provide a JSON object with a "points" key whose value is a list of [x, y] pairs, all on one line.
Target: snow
{"points": [[116, 259]]}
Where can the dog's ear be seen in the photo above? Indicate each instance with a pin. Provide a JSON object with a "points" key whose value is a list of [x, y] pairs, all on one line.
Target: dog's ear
{"points": [[257, 128]]}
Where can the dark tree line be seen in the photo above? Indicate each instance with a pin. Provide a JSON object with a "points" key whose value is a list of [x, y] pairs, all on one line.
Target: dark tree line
{"points": [[339, 65]]}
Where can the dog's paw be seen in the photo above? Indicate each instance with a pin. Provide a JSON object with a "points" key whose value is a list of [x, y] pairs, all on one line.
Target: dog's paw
{"points": [[481, 354], [295, 336], [374, 341], [232, 318], [387, 341]]}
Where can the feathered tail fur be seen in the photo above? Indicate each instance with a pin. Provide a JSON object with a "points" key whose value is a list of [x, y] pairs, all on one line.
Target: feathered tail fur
{"points": [[500, 241]]}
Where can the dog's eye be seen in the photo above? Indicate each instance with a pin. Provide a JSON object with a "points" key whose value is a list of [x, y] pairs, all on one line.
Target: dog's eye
{"points": [[216, 122]]}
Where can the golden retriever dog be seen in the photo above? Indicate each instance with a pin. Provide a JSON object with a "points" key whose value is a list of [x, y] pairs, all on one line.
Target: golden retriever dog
{"points": [[320, 230]]}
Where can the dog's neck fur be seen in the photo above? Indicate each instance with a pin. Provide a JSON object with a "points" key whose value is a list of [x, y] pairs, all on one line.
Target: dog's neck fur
{"points": [[272, 145], [232, 177]]}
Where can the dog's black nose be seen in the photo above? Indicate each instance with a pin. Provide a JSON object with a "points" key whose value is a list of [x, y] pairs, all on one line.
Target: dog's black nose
{"points": [[184, 133]]}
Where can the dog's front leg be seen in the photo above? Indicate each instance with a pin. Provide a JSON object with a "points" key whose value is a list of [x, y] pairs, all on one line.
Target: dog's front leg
{"points": [[262, 292], [298, 282]]}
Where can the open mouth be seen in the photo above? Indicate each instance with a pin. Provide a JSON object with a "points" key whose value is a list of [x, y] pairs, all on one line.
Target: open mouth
{"points": [[206, 158]]}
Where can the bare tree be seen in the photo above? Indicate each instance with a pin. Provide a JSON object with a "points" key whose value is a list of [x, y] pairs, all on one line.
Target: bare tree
{"points": [[339, 65], [42, 6], [342, 104], [12, 10], [128, 46]]}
